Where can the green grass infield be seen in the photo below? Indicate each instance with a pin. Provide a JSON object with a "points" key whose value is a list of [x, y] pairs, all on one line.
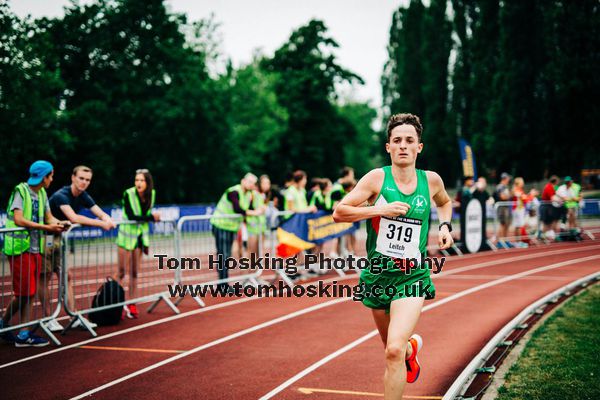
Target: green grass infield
{"points": [[562, 359]]}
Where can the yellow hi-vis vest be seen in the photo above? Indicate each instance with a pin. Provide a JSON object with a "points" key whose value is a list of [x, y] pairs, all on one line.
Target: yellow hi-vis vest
{"points": [[16, 243], [129, 233], [225, 207], [319, 199], [257, 223]]}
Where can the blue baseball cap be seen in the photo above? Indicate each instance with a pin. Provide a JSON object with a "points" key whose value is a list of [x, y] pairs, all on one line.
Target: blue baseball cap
{"points": [[38, 171]]}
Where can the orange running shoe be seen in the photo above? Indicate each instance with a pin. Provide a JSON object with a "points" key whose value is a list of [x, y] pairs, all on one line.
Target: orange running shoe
{"points": [[412, 363]]}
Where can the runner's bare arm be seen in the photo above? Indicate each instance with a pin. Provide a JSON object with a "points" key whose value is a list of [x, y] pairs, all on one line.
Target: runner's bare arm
{"points": [[444, 208], [350, 208]]}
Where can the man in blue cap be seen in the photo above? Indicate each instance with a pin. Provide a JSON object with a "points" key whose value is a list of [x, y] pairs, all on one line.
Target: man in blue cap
{"points": [[28, 208]]}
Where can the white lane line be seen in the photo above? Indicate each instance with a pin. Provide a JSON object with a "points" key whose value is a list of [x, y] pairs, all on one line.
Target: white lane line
{"points": [[318, 364], [152, 323], [458, 295], [214, 343], [513, 259], [576, 248]]}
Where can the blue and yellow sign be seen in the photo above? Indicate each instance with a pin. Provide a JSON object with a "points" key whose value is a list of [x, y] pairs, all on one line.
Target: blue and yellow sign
{"points": [[303, 231], [468, 159]]}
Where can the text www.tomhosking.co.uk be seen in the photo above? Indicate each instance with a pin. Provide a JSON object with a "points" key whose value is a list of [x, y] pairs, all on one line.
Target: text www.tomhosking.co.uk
{"points": [[317, 289], [289, 265]]}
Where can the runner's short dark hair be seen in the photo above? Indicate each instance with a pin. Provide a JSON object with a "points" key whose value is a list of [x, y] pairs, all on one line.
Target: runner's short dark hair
{"points": [[404, 119]]}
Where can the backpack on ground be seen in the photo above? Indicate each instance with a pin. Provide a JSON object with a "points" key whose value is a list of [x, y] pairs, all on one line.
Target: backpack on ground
{"points": [[111, 292]]}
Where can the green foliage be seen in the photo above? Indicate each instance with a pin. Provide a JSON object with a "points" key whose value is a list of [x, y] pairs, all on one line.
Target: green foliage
{"points": [[138, 97], [519, 79], [306, 74], [124, 84], [258, 120], [522, 77], [415, 79], [31, 121], [363, 151]]}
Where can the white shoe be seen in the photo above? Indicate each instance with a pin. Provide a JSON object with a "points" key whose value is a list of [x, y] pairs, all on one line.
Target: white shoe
{"points": [[77, 323], [54, 325]]}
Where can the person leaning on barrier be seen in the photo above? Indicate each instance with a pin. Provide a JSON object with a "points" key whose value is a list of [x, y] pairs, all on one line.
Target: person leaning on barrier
{"points": [[28, 208], [235, 200], [550, 208], [313, 189], [320, 197], [135, 238], [338, 191], [295, 195], [269, 193], [521, 201], [502, 194], [65, 204], [257, 224], [570, 193], [321, 200]]}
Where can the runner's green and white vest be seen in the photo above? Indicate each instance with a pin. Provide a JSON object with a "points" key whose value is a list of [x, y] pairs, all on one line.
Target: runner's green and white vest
{"points": [[16, 243], [404, 236], [129, 233]]}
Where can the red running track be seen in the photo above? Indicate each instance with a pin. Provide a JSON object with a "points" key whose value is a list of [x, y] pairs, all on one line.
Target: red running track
{"points": [[246, 348]]}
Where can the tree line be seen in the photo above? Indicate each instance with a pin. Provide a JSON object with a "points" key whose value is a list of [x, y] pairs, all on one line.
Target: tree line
{"points": [[126, 84], [518, 79]]}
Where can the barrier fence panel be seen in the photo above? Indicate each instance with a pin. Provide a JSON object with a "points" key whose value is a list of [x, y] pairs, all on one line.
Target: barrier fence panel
{"points": [[212, 256], [92, 256], [29, 287]]}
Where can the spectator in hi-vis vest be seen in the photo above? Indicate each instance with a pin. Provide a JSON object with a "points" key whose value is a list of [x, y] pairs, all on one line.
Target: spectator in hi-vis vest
{"points": [[569, 192], [295, 195], [135, 237], [340, 188], [28, 208], [257, 225], [235, 200]]}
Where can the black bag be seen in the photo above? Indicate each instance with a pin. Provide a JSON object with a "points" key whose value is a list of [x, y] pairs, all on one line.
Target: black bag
{"points": [[571, 235], [109, 293]]}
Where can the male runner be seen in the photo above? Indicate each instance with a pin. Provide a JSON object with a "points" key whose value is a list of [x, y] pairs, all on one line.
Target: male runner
{"points": [[399, 199]]}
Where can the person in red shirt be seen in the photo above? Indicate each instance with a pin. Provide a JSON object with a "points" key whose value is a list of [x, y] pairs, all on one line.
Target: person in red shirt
{"points": [[550, 208]]}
